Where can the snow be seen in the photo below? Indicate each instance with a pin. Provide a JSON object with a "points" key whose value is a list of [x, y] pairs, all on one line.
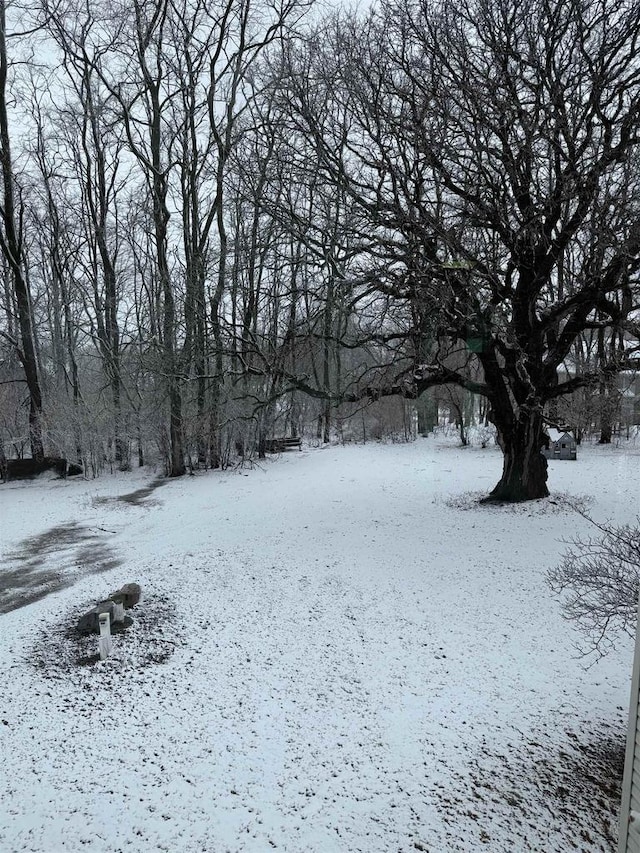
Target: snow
{"points": [[555, 434], [337, 650]]}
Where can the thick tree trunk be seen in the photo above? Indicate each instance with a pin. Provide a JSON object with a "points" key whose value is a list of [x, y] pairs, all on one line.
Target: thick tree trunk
{"points": [[140, 442], [606, 429], [202, 411], [13, 251], [460, 422], [607, 403], [463, 434], [170, 359], [178, 467], [605, 396], [524, 472], [294, 416], [215, 443], [326, 423]]}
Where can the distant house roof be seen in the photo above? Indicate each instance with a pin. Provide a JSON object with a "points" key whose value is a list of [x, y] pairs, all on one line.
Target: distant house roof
{"points": [[556, 434]]}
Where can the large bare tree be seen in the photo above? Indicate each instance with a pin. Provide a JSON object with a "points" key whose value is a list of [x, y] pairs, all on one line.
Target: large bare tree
{"points": [[487, 148]]}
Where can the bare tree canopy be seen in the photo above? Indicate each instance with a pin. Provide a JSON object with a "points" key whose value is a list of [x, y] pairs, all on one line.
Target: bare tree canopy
{"points": [[220, 220], [599, 581], [489, 152]]}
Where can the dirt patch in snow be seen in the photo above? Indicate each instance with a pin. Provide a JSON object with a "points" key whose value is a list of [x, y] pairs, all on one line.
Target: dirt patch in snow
{"points": [[51, 561], [568, 790], [559, 502], [60, 649], [139, 497]]}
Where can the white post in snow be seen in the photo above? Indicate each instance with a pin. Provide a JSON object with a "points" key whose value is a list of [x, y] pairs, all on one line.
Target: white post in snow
{"points": [[118, 612], [104, 643]]}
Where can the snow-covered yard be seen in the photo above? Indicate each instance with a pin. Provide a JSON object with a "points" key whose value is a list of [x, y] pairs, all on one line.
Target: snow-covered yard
{"points": [[336, 651]]}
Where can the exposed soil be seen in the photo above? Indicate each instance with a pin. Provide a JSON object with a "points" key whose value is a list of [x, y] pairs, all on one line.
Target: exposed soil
{"points": [[584, 767], [149, 637], [53, 560], [136, 498]]}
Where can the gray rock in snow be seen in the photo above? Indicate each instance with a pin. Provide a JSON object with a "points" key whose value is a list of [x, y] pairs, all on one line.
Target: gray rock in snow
{"points": [[89, 624], [129, 595]]}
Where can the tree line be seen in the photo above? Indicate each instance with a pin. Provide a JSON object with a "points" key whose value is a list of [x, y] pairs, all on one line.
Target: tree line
{"points": [[215, 220]]}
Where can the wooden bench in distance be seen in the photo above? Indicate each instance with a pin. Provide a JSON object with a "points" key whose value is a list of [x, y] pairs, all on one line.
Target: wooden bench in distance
{"points": [[279, 445]]}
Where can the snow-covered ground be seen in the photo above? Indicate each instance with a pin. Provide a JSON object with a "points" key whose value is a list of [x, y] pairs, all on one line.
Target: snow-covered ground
{"points": [[336, 651]]}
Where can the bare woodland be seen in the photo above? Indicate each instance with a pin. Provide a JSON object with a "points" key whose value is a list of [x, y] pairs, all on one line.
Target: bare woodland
{"points": [[225, 222]]}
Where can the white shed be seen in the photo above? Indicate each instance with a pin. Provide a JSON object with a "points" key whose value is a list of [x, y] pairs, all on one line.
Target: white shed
{"points": [[562, 445], [629, 838]]}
